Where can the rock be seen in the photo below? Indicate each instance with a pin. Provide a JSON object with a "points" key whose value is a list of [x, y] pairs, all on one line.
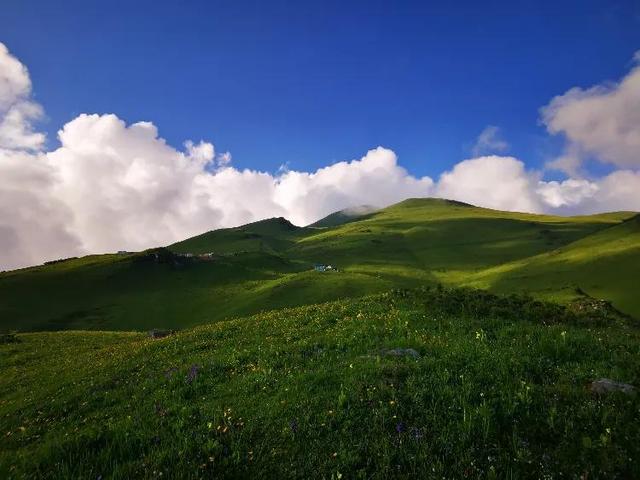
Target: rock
{"points": [[606, 385], [155, 333], [401, 352]]}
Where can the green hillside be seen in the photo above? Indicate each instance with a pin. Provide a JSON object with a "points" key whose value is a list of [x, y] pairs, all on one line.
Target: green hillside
{"points": [[407, 384], [605, 264], [269, 264], [273, 235]]}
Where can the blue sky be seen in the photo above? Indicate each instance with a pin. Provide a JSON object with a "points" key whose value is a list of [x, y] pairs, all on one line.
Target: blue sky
{"points": [[310, 83]]}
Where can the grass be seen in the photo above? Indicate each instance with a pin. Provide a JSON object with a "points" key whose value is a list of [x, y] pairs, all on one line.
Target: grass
{"points": [[601, 264], [267, 265], [498, 391]]}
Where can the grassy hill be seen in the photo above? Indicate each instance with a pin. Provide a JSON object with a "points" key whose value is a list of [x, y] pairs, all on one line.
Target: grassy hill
{"points": [[425, 384], [603, 265], [272, 235], [268, 265]]}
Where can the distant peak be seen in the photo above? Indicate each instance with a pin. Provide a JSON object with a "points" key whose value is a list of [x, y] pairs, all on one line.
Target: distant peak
{"points": [[425, 201], [345, 215], [277, 222]]}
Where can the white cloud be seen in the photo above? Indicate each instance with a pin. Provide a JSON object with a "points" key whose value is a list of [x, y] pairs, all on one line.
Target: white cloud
{"points": [[495, 182], [14, 79], [618, 191], [490, 141], [129, 189], [33, 222], [112, 186], [16, 110], [376, 179], [568, 193], [224, 159], [602, 121]]}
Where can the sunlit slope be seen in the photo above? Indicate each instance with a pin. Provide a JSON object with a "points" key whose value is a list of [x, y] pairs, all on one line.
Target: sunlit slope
{"points": [[268, 265], [605, 265], [432, 235]]}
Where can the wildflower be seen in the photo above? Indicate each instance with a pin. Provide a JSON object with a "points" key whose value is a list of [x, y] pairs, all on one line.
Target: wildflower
{"points": [[400, 427], [293, 425], [193, 373]]}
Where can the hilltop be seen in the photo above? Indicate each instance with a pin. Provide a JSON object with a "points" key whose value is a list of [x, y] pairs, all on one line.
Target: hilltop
{"points": [[345, 216], [268, 265]]}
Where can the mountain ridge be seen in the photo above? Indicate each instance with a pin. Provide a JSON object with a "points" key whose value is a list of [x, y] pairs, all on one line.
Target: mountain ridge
{"points": [[269, 264]]}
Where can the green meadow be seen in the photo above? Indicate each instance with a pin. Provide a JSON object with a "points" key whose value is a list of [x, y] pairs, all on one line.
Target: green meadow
{"points": [[428, 383], [447, 341]]}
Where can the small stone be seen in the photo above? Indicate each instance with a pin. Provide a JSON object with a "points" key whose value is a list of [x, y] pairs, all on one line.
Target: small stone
{"points": [[155, 333], [401, 352], [606, 385]]}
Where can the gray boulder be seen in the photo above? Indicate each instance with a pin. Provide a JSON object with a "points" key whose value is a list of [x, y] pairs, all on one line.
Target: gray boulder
{"points": [[401, 352], [606, 385], [155, 333]]}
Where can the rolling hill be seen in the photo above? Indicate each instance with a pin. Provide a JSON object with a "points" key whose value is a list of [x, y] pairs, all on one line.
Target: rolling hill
{"points": [[268, 265]]}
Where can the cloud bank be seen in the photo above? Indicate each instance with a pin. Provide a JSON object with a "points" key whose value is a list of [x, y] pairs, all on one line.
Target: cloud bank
{"points": [[602, 121], [112, 185]]}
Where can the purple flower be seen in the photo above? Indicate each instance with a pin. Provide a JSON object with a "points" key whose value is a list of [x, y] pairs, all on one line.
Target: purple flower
{"points": [[193, 373], [417, 434], [401, 427], [293, 425]]}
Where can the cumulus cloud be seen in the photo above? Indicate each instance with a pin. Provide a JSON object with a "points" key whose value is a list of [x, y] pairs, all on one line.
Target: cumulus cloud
{"points": [[566, 194], [14, 79], [33, 222], [112, 185], [17, 112], [494, 182], [490, 141], [618, 191], [504, 183], [376, 179], [602, 121], [128, 188]]}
